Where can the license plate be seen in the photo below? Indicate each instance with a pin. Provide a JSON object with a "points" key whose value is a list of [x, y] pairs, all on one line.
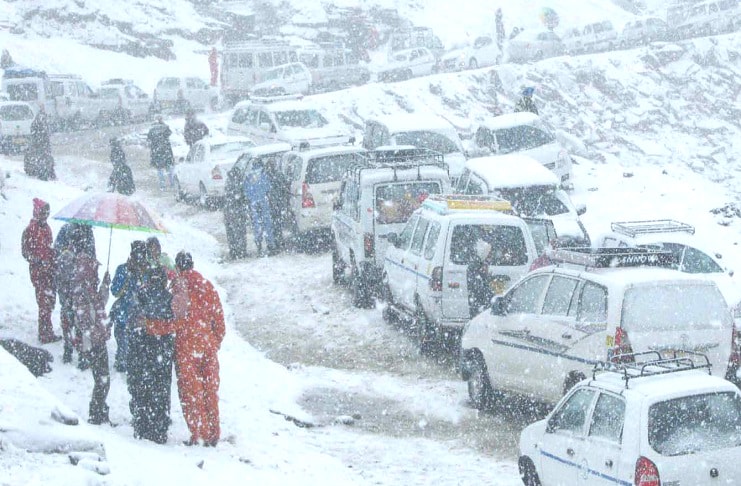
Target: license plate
{"points": [[673, 353]]}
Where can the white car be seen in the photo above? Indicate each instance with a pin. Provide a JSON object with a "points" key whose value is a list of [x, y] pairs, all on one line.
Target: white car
{"points": [[545, 334], [292, 78], [599, 36], [121, 101], [407, 64], [179, 94], [15, 126], [643, 31], [483, 52], [204, 170], [653, 422], [531, 45], [526, 134], [296, 122]]}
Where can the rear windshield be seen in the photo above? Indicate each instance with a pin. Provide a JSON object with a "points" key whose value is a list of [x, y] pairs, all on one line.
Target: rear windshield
{"points": [[427, 140], [507, 244], [229, 150], [696, 423], [169, 83], [329, 169], [23, 92], [300, 118], [395, 203], [543, 232], [15, 113], [675, 308], [520, 138], [534, 201]]}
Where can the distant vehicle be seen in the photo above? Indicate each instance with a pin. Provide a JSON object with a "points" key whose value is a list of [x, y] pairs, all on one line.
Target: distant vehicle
{"points": [[204, 170], [417, 37], [15, 126], [333, 68], [407, 64], [484, 52], [121, 101], [245, 63], [649, 421], [572, 41], [294, 121], [179, 94], [287, 79], [599, 36], [531, 45], [704, 18], [422, 131], [643, 31]]}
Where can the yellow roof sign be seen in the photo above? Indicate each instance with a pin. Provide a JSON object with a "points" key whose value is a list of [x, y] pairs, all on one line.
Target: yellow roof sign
{"points": [[465, 202]]}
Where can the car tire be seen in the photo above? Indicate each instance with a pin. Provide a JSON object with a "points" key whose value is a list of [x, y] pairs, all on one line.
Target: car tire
{"points": [[389, 314], [480, 391], [528, 474], [473, 63], [429, 340], [338, 267], [360, 288]]}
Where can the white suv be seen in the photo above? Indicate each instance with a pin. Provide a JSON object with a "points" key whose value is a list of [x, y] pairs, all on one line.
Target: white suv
{"points": [[377, 198], [179, 94], [426, 271], [546, 332], [659, 421]]}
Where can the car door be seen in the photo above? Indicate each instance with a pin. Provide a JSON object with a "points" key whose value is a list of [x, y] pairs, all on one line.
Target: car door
{"points": [[293, 164], [600, 460], [396, 273], [415, 278]]}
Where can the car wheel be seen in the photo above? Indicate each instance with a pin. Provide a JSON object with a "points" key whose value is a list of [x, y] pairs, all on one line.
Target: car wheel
{"points": [[473, 63], [360, 288], [389, 314], [338, 267], [479, 387], [179, 194], [528, 474], [429, 341]]}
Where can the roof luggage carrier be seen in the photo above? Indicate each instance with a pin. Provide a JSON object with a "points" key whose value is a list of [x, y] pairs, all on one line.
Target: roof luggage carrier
{"points": [[613, 257], [634, 228], [401, 158], [445, 203], [631, 365]]}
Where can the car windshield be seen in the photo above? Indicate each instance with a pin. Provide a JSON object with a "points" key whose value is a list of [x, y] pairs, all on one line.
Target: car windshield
{"points": [[508, 246], [300, 118], [169, 83], [229, 150], [330, 168], [273, 74], [23, 92], [108, 93], [427, 140], [543, 232], [523, 137], [534, 201], [15, 113], [674, 307], [395, 203], [697, 423]]}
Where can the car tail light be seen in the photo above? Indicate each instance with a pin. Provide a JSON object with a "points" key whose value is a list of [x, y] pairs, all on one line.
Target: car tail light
{"points": [[216, 174], [307, 200], [646, 473], [621, 348], [735, 346], [368, 245], [436, 279]]}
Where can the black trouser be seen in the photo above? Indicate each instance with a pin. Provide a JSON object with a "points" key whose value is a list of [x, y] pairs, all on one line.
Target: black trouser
{"points": [[98, 412], [235, 223], [149, 378]]}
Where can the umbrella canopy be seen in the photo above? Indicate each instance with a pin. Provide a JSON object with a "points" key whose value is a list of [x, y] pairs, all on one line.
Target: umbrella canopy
{"points": [[110, 210]]}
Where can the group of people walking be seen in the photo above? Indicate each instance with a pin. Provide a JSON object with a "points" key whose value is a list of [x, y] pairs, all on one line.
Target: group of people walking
{"points": [[165, 313]]}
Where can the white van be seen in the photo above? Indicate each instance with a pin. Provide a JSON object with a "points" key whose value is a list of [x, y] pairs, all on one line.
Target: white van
{"points": [[599, 36], [706, 18], [245, 63], [333, 68]]}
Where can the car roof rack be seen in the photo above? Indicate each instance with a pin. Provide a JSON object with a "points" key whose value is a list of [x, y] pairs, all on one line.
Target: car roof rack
{"points": [[447, 203], [265, 100], [400, 158], [634, 228], [589, 257], [632, 365]]}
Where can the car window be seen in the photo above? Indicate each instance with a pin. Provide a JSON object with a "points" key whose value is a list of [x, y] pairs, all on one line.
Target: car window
{"points": [[311, 60], [592, 306], [240, 115], [406, 235], [294, 165], [350, 197], [572, 414], [559, 296], [524, 298], [15, 113], [169, 83], [263, 119], [523, 137], [432, 236], [542, 231], [300, 118], [427, 140], [330, 168], [265, 59], [507, 244], [194, 83], [608, 418], [419, 235], [460, 186], [396, 202], [697, 423], [696, 261], [534, 200], [22, 92], [280, 57], [328, 60], [245, 60], [292, 56]]}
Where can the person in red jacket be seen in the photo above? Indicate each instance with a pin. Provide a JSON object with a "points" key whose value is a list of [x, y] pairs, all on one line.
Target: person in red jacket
{"points": [[213, 65], [199, 329], [37, 250]]}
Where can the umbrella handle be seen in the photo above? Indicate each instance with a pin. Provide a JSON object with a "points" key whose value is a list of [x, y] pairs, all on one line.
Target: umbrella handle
{"points": [[110, 239]]}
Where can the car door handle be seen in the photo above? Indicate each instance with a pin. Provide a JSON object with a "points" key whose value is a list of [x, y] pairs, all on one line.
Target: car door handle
{"points": [[570, 452], [608, 463]]}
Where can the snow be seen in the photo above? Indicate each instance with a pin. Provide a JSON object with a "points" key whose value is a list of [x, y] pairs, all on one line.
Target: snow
{"points": [[511, 170]]}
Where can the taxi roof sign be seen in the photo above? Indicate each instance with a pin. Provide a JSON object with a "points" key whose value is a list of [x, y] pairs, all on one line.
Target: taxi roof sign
{"points": [[444, 203]]}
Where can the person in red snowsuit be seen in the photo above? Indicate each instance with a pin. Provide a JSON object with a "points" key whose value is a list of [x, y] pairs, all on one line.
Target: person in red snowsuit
{"points": [[213, 64], [37, 250], [199, 329]]}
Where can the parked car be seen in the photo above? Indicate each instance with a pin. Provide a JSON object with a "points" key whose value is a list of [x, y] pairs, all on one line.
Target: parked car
{"points": [[572, 41], [293, 78], [532, 45], [523, 133], [544, 335], [377, 198], [599, 36], [483, 52], [294, 121], [179, 94], [407, 64], [422, 131], [15, 126], [704, 18], [653, 421], [204, 170], [333, 68], [121, 101], [426, 266], [643, 31]]}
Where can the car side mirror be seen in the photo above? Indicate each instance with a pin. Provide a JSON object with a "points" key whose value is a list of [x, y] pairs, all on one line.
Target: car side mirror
{"points": [[581, 209], [498, 307], [551, 425], [393, 238]]}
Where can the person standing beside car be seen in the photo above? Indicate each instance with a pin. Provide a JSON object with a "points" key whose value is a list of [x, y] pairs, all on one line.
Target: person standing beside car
{"points": [[236, 208], [161, 152], [194, 129], [121, 179], [38, 161], [257, 190]]}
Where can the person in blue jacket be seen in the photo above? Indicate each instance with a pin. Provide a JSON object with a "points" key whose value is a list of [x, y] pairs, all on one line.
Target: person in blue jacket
{"points": [[257, 191], [126, 282]]}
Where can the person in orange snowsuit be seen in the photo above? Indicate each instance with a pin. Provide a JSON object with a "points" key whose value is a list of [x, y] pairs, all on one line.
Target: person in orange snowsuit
{"points": [[199, 329]]}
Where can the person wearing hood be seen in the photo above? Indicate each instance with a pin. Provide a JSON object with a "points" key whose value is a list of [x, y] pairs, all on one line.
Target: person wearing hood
{"points": [[38, 161], [194, 129], [526, 103], [477, 278], [37, 250], [121, 179], [161, 152]]}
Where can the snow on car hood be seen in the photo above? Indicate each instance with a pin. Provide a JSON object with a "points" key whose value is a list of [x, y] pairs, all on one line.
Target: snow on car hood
{"points": [[315, 136]]}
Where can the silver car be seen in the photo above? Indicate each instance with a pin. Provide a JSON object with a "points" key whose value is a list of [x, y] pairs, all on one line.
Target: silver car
{"points": [[530, 45]]}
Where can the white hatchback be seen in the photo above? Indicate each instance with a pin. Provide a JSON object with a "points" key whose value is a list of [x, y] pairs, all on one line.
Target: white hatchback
{"points": [[650, 423], [292, 78]]}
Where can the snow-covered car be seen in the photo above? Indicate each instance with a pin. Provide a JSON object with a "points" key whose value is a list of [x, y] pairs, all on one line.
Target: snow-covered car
{"points": [[292, 78], [599, 36], [121, 101], [426, 131], [650, 422], [407, 64], [527, 134], [483, 52], [296, 122], [204, 170], [572, 41], [179, 94], [643, 31], [333, 67], [532, 45], [544, 335], [15, 126]]}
